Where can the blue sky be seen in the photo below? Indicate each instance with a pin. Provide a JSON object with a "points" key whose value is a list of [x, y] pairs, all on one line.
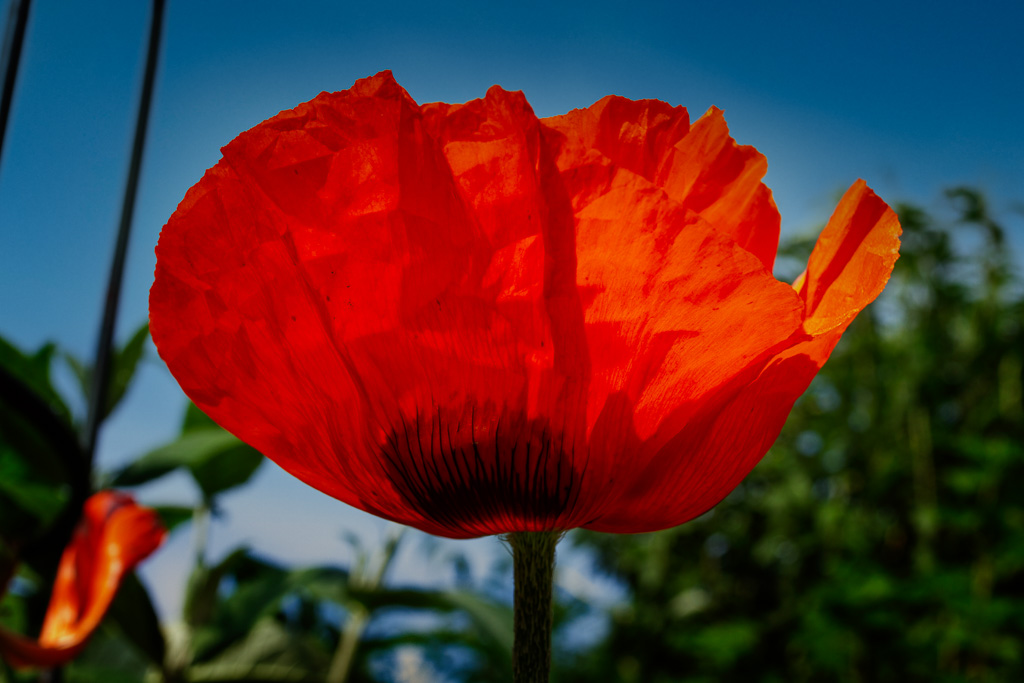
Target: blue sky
{"points": [[914, 97]]}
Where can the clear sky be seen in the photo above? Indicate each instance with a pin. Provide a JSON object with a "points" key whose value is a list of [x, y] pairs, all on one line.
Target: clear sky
{"points": [[913, 96]]}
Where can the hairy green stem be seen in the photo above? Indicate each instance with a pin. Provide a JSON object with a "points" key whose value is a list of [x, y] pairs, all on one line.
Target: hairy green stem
{"points": [[533, 562]]}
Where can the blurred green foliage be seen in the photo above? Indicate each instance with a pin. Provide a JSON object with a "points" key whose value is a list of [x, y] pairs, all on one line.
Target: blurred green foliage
{"points": [[882, 537]]}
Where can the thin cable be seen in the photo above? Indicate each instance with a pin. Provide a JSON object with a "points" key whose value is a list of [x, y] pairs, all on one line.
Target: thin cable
{"points": [[14, 38], [101, 368]]}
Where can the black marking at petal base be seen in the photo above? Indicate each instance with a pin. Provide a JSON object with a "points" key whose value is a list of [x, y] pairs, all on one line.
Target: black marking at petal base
{"points": [[520, 479]]}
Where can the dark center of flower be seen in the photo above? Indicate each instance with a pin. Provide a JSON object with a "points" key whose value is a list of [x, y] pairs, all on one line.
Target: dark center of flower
{"points": [[482, 471]]}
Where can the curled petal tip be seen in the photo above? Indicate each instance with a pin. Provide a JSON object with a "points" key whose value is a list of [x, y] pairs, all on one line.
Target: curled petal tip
{"points": [[851, 261]]}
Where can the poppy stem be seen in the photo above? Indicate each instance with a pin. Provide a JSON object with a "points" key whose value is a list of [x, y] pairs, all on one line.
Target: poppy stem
{"points": [[533, 562]]}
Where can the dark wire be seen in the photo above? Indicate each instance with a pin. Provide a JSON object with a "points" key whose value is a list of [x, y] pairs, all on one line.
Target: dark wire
{"points": [[14, 38], [101, 368]]}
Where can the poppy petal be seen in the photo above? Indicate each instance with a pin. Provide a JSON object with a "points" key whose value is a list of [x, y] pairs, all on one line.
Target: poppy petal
{"points": [[699, 166], [342, 324], [851, 262], [674, 309], [113, 536]]}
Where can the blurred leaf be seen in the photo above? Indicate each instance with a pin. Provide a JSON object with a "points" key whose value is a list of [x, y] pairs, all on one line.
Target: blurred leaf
{"points": [[195, 419], [268, 652], [232, 596], [490, 619], [328, 584], [33, 420], [107, 659], [23, 488], [231, 467], [123, 364], [42, 465], [173, 516], [33, 371], [216, 460], [229, 672], [201, 594], [132, 610]]}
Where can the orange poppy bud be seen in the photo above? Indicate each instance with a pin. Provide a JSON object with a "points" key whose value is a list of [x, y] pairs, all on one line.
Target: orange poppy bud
{"points": [[113, 536]]}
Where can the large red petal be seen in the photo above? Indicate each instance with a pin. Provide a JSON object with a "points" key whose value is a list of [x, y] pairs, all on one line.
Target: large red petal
{"points": [[113, 536], [367, 291], [708, 458]]}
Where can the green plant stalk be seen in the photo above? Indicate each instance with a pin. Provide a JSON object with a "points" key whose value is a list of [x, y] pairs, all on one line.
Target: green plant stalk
{"points": [[178, 660], [200, 530], [533, 563], [345, 655], [358, 615]]}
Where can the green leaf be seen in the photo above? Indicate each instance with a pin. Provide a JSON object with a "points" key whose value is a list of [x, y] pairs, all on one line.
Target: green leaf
{"points": [[230, 609], [256, 673], [173, 516], [216, 459], [41, 460], [132, 610], [195, 419], [33, 371], [123, 364], [268, 652], [81, 371], [25, 488], [107, 659], [323, 583], [34, 422], [492, 620], [205, 599], [201, 593], [231, 467]]}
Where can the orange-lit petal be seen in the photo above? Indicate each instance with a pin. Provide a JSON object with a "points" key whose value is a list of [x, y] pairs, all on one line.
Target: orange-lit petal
{"points": [[848, 268], [714, 451], [699, 166], [674, 311], [113, 536]]}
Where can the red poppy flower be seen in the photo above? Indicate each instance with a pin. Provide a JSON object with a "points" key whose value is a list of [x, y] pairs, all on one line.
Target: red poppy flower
{"points": [[113, 536], [474, 321]]}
